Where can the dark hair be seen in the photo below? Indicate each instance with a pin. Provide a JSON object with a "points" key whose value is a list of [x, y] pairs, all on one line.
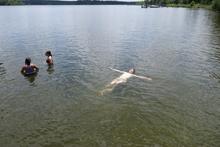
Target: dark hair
{"points": [[48, 53], [28, 61]]}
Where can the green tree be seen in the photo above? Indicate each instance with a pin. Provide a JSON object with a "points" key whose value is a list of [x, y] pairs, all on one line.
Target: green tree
{"points": [[10, 2], [216, 5], [3, 2], [192, 3]]}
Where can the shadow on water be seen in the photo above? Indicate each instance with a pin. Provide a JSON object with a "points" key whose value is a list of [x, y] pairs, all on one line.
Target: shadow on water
{"points": [[216, 49], [214, 75], [50, 69], [2, 71], [31, 78]]}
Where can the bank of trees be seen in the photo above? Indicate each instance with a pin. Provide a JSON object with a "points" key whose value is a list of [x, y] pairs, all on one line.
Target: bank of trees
{"points": [[215, 4], [10, 2], [179, 1]]}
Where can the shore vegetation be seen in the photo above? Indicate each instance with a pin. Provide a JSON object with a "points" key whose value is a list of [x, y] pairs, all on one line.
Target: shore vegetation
{"points": [[11, 2], [208, 4]]}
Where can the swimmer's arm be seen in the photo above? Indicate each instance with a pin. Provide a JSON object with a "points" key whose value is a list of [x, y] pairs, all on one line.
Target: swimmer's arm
{"points": [[141, 77], [22, 69], [34, 66], [117, 70]]}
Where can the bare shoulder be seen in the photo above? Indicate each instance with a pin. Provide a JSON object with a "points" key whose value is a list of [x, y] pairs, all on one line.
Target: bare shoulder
{"points": [[34, 66]]}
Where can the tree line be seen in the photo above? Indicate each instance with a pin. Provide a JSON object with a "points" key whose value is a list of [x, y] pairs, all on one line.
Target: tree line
{"points": [[66, 2], [214, 4], [11, 2]]}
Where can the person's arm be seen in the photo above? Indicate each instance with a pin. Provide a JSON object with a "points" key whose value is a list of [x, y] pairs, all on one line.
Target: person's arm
{"points": [[22, 69], [116, 70], [141, 77], [34, 66]]}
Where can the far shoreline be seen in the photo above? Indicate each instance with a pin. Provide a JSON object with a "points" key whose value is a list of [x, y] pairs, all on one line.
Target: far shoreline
{"points": [[48, 2], [87, 3]]}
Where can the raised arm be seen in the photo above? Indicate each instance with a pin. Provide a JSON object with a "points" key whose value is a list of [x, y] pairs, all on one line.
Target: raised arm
{"points": [[116, 70], [141, 77]]}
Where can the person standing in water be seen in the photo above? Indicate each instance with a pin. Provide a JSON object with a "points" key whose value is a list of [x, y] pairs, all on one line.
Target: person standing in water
{"points": [[49, 59], [28, 68]]}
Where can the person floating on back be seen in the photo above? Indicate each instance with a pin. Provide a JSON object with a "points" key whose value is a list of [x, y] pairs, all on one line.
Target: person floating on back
{"points": [[28, 68], [49, 59], [121, 79]]}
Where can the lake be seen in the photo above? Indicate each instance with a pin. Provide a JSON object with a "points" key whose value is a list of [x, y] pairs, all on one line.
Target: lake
{"points": [[61, 106]]}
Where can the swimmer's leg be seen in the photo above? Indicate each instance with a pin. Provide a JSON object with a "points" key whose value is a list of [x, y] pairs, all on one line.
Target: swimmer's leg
{"points": [[108, 88]]}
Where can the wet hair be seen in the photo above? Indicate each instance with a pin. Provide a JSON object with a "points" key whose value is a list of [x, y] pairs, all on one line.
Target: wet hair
{"points": [[48, 53], [28, 61]]}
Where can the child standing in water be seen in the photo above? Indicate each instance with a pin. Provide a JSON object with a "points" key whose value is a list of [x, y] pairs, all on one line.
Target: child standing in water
{"points": [[28, 68], [49, 58]]}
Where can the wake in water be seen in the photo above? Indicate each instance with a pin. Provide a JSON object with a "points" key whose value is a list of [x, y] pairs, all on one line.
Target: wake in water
{"points": [[121, 79]]}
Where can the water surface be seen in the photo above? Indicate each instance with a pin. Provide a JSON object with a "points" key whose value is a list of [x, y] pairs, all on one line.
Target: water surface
{"points": [[61, 106]]}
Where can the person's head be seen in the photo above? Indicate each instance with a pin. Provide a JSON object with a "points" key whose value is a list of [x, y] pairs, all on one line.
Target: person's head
{"points": [[28, 61], [48, 53], [132, 71]]}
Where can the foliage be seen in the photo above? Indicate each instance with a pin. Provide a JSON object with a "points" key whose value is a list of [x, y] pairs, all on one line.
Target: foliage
{"points": [[192, 4], [10, 2], [216, 5], [208, 4]]}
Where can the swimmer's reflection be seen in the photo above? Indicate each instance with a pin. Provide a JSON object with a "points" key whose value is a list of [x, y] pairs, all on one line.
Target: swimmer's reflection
{"points": [[2, 72], [50, 69], [31, 78]]}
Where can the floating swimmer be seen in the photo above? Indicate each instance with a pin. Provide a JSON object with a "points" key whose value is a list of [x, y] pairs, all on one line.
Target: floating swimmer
{"points": [[122, 79], [28, 68]]}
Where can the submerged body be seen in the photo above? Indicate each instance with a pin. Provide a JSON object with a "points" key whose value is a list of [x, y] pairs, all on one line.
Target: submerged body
{"points": [[121, 79], [28, 68]]}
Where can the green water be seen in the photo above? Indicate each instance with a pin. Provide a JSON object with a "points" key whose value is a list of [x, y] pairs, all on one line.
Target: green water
{"points": [[61, 106]]}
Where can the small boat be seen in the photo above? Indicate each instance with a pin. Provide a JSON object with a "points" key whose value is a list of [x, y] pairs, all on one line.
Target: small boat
{"points": [[154, 6]]}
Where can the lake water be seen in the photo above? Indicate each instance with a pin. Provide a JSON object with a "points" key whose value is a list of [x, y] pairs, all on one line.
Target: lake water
{"points": [[61, 106]]}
